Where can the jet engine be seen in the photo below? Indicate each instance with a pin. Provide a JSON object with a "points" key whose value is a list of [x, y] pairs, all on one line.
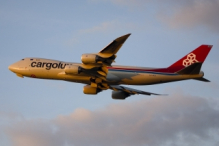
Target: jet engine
{"points": [[89, 58], [93, 58], [119, 95], [72, 69], [90, 90]]}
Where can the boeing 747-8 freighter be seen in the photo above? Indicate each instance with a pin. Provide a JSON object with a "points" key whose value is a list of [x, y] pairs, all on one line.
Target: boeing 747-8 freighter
{"points": [[98, 73]]}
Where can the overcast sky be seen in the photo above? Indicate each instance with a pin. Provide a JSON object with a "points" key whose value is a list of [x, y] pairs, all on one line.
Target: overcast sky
{"points": [[56, 113]]}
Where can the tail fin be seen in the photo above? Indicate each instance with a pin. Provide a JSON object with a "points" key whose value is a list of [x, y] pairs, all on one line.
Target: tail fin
{"points": [[196, 56]]}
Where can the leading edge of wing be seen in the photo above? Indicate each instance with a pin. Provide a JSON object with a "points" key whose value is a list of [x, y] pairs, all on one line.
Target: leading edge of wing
{"points": [[115, 45], [132, 91]]}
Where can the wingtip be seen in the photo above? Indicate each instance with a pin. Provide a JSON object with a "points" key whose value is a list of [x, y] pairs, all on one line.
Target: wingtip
{"points": [[161, 94], [126, 35], [123, 38]]}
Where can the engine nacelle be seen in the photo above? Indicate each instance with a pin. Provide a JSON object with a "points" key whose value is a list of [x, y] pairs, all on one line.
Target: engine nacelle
{"points": [[89, 58], [93, 58], [119, 95], [90, 90], [72, 69]]}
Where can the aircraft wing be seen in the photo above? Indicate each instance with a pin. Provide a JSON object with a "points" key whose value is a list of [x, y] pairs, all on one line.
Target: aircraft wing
{"points": [[114, 46], [95, 65], [131, 91], [108, 54]]}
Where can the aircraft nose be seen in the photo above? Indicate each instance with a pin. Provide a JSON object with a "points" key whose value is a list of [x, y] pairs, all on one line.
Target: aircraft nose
{"points": [[12, 67]]}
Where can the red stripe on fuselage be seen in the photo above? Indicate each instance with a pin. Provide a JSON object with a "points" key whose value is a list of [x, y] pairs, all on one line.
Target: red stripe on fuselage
{"points": [[161, 70]]}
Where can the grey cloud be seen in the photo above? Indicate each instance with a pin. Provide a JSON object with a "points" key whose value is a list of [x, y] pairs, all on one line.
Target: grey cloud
{"points": [[178, 14], [175, 120], [194, 13], [33, 133]]}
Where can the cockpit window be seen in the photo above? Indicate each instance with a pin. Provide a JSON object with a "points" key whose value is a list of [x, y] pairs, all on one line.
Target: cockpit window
{"points": [[31, 59]]}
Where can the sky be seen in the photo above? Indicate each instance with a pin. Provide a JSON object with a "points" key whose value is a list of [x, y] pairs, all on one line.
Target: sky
{"points": [[37, 112]]}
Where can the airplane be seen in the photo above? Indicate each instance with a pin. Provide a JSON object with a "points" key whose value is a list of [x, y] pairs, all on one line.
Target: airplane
{"points": [[97, 72]]}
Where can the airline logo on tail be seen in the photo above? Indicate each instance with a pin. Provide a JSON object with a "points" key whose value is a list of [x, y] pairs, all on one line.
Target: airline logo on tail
{"points": [[197, 55], [191, 58]]}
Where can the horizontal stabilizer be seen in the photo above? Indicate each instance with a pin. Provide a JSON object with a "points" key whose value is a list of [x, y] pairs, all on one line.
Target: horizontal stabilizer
{"points": [[192, 69], [202, 79]]}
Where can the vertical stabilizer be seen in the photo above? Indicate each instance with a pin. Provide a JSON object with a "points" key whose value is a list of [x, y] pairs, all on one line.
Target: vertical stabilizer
{"points": [[196, 56]]}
